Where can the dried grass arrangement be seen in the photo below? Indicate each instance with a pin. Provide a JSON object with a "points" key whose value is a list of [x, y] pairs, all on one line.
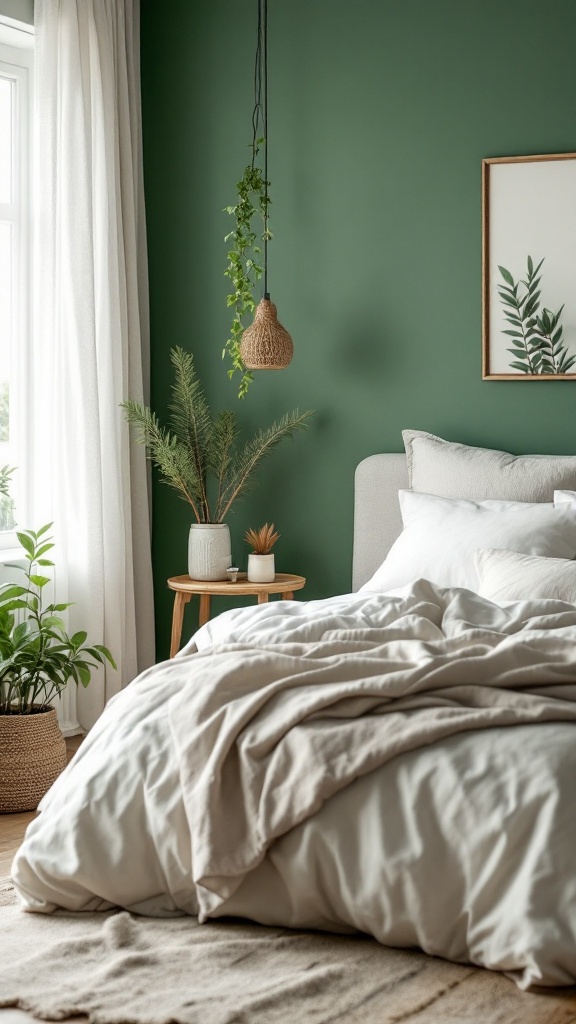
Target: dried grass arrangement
{"points": [[263, 540]]}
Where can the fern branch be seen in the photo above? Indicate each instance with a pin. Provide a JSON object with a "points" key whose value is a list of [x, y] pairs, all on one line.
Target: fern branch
{"points": [[252, 454], [222, 453], [190, 418], [168, 454]]}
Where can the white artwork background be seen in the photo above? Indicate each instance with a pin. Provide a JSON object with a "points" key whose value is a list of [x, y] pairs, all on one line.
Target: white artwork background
{"points": [[532, 212]]}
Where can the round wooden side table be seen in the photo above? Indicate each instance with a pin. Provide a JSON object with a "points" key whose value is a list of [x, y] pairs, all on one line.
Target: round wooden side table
{"points": [[184, 587]]}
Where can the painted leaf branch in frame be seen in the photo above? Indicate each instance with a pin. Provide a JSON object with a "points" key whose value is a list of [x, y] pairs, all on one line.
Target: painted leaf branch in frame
{"points": [[529, 301], [535, 332]]}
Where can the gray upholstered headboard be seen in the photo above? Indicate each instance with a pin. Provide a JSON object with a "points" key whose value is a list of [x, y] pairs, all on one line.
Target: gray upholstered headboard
{"points": [[377, 519]]}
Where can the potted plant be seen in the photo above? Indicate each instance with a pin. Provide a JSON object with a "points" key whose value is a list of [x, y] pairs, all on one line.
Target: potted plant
{"points": [[7, 521], [37, 659], [198, 457], [261, 567]]}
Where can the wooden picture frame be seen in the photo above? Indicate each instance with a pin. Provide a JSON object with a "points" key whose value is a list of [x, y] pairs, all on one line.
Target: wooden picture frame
{"points": [[529, 267]]}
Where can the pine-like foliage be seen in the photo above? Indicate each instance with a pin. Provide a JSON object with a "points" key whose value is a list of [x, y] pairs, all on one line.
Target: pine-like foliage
{"points": [[190, 419], [195, 445]]}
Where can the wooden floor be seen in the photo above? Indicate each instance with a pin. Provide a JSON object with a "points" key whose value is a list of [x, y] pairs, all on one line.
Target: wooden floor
{"points": [[12, 829], [13, 826]]}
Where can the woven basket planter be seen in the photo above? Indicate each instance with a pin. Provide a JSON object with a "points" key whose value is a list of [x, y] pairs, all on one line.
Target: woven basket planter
{"points": [[32, 755]]}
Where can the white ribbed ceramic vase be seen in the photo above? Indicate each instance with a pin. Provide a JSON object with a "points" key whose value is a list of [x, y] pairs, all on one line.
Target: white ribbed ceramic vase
{"points": [[209, 551], [260, 568]]}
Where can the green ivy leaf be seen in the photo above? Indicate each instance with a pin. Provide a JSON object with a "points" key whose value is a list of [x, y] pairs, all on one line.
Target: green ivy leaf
{"points": [[84, 674], [39, 581], [53, 621], [506, 275], [10, 590], [104, 650], [43, 549], [26, 542], [17, 603]]}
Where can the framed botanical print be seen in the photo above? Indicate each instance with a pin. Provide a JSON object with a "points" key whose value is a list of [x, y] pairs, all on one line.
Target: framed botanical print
{"points": [[529, 267]]}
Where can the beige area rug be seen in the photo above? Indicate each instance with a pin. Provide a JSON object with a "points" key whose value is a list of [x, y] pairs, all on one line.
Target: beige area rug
{"points": [[117, 968], [7, 894]]}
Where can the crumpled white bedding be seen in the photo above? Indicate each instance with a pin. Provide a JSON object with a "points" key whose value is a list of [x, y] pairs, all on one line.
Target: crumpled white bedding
{"points": [[463, 847]]}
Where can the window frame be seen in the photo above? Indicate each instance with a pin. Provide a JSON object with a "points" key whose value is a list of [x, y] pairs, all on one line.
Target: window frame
{"points": [[16, 63]]}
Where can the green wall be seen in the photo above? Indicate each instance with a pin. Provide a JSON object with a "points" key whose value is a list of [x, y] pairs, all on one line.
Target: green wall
{"points": [[380, 114]]}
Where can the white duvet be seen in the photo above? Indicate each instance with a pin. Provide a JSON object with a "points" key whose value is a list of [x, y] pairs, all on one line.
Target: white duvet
{"points": [[403, 766]]}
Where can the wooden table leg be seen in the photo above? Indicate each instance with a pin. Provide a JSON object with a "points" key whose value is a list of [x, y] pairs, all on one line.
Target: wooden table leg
{"points": [[180, 600], [262, 598], [288, 596], [204, 609]]}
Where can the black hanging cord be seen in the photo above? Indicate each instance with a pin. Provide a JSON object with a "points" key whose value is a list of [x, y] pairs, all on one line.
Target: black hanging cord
{"points": [[257, 112], [260, 115], [265, 34]]}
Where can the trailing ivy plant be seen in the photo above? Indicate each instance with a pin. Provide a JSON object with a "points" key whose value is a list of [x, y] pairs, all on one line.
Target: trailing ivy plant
{"points": [[537, 334], [244, 268]]}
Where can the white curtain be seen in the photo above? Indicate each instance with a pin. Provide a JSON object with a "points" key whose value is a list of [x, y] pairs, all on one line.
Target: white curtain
{"points": [[91, 337]]}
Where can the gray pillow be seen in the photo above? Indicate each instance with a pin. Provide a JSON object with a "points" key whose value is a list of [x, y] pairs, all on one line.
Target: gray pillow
{"points": [[456, 470]]}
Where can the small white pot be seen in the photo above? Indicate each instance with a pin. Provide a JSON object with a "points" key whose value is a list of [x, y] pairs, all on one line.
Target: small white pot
{"points": [[209, 551], [261, 568]]}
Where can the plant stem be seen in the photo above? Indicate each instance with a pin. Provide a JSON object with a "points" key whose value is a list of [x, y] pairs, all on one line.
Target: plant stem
{"points": [[525, 342]]}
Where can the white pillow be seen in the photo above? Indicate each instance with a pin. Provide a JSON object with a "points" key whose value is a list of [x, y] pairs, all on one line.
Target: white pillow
{"points": [[442, 535], [509, 576], [565, 498], [455, 470]]}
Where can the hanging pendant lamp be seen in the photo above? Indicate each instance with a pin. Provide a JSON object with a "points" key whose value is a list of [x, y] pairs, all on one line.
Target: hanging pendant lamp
{"points": [[266, 345]]}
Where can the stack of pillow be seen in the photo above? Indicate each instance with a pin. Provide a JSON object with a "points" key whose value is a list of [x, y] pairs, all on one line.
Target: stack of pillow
{"points": [[501, 525]]}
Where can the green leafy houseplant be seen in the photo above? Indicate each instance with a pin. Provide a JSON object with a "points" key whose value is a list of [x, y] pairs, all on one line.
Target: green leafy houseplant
{"points": [[37, 657], [198, 447], [537, 335], [7, 521], [244, 268]]}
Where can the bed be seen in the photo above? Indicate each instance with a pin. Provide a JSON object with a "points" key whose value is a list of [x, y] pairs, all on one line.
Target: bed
{"points": [[399, 764]]}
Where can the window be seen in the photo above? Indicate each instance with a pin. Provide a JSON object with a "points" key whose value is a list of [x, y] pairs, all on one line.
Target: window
{"points": [[15, 257]]}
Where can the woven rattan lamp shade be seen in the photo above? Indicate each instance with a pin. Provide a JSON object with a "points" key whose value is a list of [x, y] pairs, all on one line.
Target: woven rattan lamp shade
{"points": [[266, 345]]}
